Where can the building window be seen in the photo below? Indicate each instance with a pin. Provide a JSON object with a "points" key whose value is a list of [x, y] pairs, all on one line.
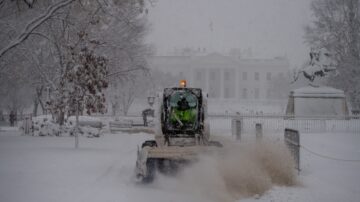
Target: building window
{"points": [[256, 76], [212, 93], [244, 93], [268, 93], [268, 76], [212, 76], [244, 76], [227, 93], [256, 93], [226, 76], [198, 75]]}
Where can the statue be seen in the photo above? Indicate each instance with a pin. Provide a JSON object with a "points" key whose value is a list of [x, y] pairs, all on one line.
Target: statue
{"points": [[320, 65]]}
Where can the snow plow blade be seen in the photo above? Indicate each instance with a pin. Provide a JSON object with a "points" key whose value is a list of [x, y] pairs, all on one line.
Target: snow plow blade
{"points": [[178, 153], [167, 160]]}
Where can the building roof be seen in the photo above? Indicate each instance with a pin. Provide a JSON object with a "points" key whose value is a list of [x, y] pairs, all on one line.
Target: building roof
{"points": [[215, 59]]}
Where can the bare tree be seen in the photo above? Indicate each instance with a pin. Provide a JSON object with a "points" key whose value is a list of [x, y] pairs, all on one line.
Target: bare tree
{"points": [[123, 92]]}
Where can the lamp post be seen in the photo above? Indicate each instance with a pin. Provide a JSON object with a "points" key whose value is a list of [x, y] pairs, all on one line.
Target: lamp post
{"points": [[150, 111], [151, 100]]}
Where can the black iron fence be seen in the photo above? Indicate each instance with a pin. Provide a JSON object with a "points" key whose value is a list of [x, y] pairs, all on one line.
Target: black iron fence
{"points": [[19, 117], [304, 124]]}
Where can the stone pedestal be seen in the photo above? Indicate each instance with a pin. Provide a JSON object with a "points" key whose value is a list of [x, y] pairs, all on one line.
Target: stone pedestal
{"points": [[317, 101]]}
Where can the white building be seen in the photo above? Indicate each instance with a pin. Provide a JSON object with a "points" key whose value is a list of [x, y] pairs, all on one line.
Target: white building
{"points": [[227, 78]]}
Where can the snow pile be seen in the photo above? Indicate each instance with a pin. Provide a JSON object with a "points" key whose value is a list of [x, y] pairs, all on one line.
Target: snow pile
{"points": [[241, 171]]}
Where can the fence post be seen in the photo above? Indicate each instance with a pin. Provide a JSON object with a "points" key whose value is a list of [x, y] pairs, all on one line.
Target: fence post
{"points": [[258, 131], [236, 127], [292, 140], [27, 124]]}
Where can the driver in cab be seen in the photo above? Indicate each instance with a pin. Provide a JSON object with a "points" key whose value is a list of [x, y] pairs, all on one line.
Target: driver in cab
{"points": [[183, 114]]}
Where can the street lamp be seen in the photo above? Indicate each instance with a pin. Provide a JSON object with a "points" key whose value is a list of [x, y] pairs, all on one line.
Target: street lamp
{"points": [[149, 111], [151, 100]]}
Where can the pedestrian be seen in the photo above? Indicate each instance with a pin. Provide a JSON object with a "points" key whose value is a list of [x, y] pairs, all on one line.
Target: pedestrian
{"points": [[12, 118], [2, 116]]}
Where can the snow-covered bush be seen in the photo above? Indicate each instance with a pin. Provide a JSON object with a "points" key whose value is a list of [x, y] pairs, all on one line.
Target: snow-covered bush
{"points": [[45, 125]]}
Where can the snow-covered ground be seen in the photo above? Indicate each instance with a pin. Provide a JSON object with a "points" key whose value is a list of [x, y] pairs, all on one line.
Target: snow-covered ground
{"points": [[323, 178], [43, 169]]}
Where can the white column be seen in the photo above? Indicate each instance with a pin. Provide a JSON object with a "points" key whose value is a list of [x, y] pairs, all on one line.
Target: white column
{"points": [[237, 84], [207, 80], [222, 83]]}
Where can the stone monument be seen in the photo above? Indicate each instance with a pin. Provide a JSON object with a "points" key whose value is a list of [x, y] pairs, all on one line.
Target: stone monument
{"points": [[316, 100]]}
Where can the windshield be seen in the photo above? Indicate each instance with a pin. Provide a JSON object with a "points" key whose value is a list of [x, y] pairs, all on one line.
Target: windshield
{"points": [[179, 97]]}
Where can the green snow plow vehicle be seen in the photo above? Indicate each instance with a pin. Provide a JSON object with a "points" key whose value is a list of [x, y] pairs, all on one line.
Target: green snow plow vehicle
{"points": [[183, 133]]}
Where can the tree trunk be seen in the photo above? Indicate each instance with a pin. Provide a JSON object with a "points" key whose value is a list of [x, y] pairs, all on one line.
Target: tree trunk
{"points": [[114, 108], [36, 104], [37, 100], [125, 110], [61, 118], [77, 126]]}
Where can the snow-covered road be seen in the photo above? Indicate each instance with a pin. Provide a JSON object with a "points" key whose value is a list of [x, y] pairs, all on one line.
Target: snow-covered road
{"points": [[43, 169]]}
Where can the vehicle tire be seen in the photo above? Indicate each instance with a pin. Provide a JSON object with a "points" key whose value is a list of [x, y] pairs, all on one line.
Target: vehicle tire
{"points": [[149, 143], [151, 170]]}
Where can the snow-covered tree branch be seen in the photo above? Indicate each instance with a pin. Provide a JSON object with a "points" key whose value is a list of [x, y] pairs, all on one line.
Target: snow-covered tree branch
{"points": [[33, 24], [44, 46]]}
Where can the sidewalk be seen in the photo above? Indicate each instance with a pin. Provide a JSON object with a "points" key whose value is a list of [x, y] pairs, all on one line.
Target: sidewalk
{"points": [[9, 131]]}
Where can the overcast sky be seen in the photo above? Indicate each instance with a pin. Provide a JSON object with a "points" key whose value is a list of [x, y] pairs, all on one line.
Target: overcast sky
{"points": [[270, 27]]}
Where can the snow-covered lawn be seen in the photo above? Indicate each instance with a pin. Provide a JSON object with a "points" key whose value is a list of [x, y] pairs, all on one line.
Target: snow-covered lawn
{"points": [[322, 178], [44, 169]]}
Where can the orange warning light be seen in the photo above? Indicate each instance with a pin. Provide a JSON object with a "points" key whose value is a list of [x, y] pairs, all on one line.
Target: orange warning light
{"points": [[183, 83]]}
